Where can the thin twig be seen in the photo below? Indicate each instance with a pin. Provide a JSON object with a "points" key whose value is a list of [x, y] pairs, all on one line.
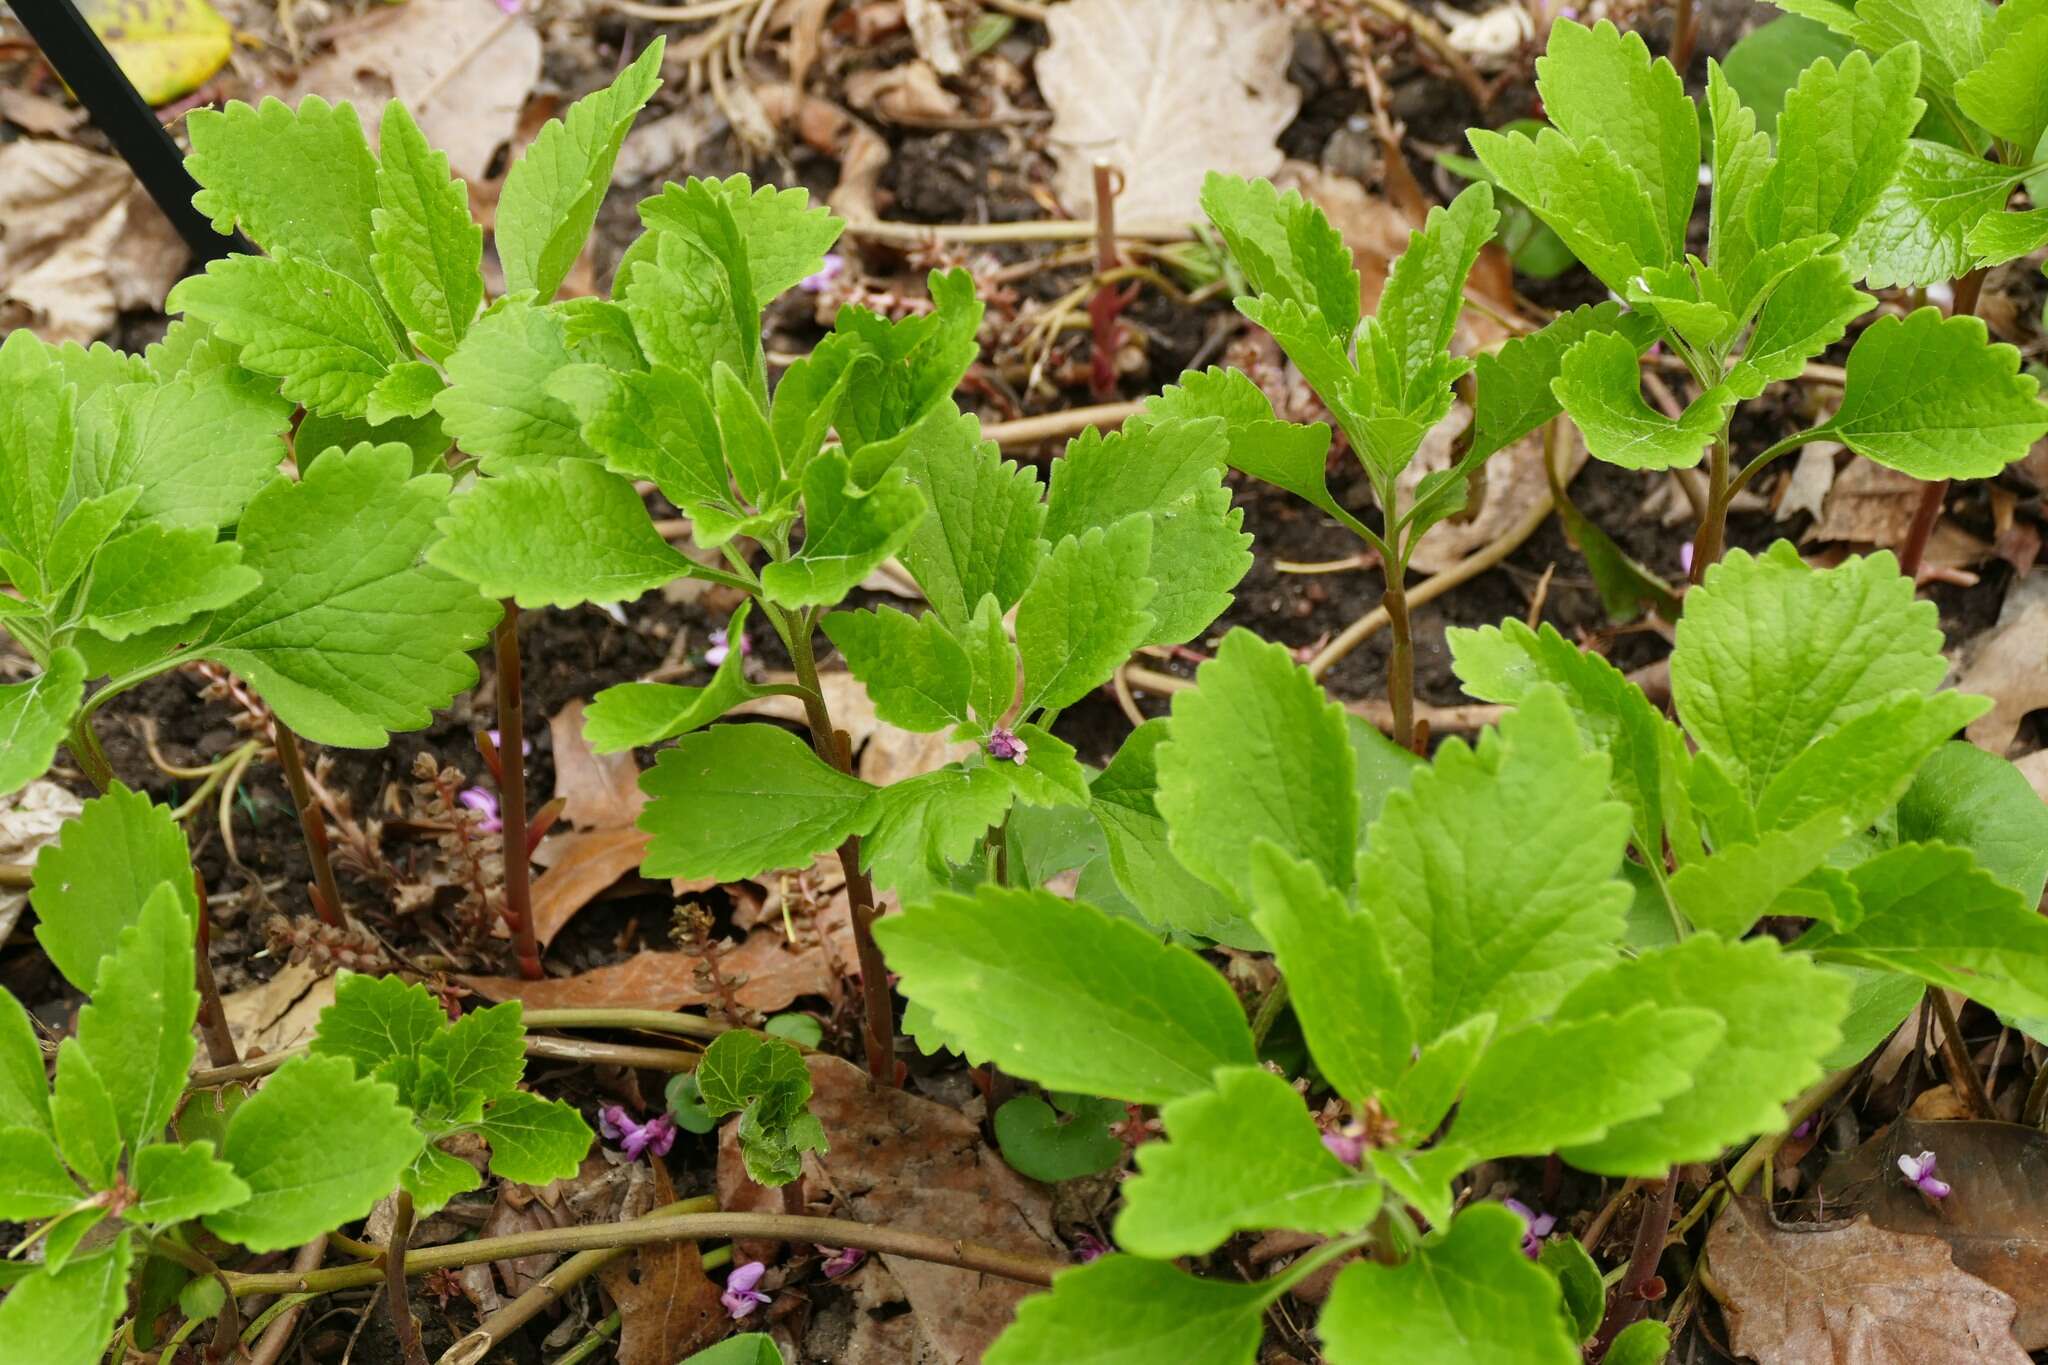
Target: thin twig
{"points": [[326, 895], [402, 1323], [551, 1049], [1436, 40], [1632, 1297], [1052, 425], [213, 1020], [984, 234], [270, 1349], [511, 746], [1955, 1055], [1439, 719]]}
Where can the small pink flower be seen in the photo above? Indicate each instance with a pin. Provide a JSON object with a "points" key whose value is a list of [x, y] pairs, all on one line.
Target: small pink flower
{"points": [[1088, 1247], [1348, 1148], [841, 1261], [1536, 1226], [484, 804], [1919, 1173], [498, 742], [1685, 557], [656, 1135], [740, 1297], [1004, 746], [721, 647], [828, 274]]}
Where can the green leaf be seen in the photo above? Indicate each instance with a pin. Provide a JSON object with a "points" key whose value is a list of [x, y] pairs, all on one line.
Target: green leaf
{"points": [[82, 1112], [632, 715], [67, 1318], [1244, 1157], [1808, 311], [376, 1018], [848, 532], [1258, 751], [38, 425], [428, 250], [914, 670], [1766, 62], [1578, 1282], [764, 1081], [406, 394], [552, 194], [583, 535], [786, 238], [1288, 455], [918, 361], [1919, 233], [1879, 1002], [173, 1184], [34, 717], [692, 297], [424, 437], [1950, 34], [483, 1051], [1931, 396], [1930, 911], [301, 182], [499, 404], [1601, 388], [34, 1182], [1729, 891], [1085, 612], [321, 333], [1474, 923], [137, 1032], [1343, 988], [1467, 1297], [199, 447], [1050, 1147], [1120, 1310], [927, 824], [1865, 767], [1060, 993], [736, 800], [1643, 1343], [1600, 83], [750, 1349], [1772, 655], [1049, 775], [1123, 799], [350, 636], [1514, 383], [2001, 237], [1286, 248], [300, 1188], [1841, 140], [1978, 801], [655, 425], [94, 882], [1780, 1015], [435, 1177], [155, 576], [1585, 194], [24, 1088], [2006, 94], [980, 533], [534, 1140]]}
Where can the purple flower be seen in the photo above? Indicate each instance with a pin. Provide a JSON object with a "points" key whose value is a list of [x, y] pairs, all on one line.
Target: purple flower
{"points": [[1919, 1173], [1536, 1226], [498, 742], [1685, 557], [721, 646], [1088, 1247], [842, 1261], [740, 1297], [1002, 744], [484, 804], [828, 274], [1348, 1148], [656, 1135]]}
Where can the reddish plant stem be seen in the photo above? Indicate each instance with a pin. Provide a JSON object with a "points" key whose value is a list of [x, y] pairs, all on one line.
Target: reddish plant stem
{"points": [[1400, 661], [394, 1284], [1628, 1303], [1684, 31], [213, 1021], [1955, 1055], [326, 895], [1968, 290], [1109, 299], [512, 795]]}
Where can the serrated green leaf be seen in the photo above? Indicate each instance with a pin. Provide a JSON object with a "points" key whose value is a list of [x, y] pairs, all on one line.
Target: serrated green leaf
{"points": [[1601, 388], [198, 447], [1289, 455], [321, 333], [154, 577], [1772, 655], [499, 404], [1514, 383], [1780, 1015], [1950, 34], [980, 534], [1423, 1096], [1085, 612], [1977, 801], [1243, 1157], [38, 425], [79, 538], [24, 1088], [67, 1318], [34, 1182], [918, 361], [1258, 751], [691, 297], [405, 393], [916, 673], [848, 532], [376, 1018], [630, 715], [1933, 397], [1477, 924], [173, 1184], [655, 425], [483, 1052], [1864, 768], [100, 366], [1578, 1282], [301, 182], [750, 449], [428, 251], [1467, 1297], [137, 1032], [1585, 194], [1121, 1310], [1766, 63], [582, 535], [552, 194], [926, 824], [82, 1112], [786, 239], [1123, 799], [1061, 994], [1840, 141], [34, 717], [1739, 883], [765, 1082], [1286, 248], [1879, 1002], [425, 438], [435, 1177], [300, 1188], [534, 1140], [2006, 93], [94, 882], [1343, 988], [1052, 1148], [1919, 233], [1601, 83], [1642, 1343], [1049, 775], [350, 636], [1808, 310], [736, 800]]}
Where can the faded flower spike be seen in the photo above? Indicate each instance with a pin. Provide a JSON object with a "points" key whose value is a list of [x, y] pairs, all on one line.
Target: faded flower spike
{"points": [[1004, 745], [656, 1135], [484, 804], [740, 1297], [1537, 1225], [1919, 1173]]}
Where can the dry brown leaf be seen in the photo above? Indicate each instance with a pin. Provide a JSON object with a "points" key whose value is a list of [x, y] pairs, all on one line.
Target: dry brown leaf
{"points": [[668, 1306], [909, 93], [280, 1013], [1995, 1221], [1806, 490], [1166, 91], [39, 114], [1852, 1294], [1515, 484], [463, 68], [2035, 768], [2009, 664], [599, 791], [663, 148], [30, 819], [581, 866], [845, 698], [899, 1160], [80, 240], [932, 30], [1869, 504]]}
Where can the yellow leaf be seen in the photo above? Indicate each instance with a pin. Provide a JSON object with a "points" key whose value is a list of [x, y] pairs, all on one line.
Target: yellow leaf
{"points": [[165, 47]]}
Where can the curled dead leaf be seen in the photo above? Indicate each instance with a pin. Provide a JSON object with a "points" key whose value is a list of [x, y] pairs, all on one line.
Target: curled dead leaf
{"points": [[80, 241], [2009, 664]]}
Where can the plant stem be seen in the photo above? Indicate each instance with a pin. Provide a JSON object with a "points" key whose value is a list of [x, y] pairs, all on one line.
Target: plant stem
{"points": [[879, 1019], [326, 895], [1401, 660], [1629, 1303], [213, 1021], [592, 1343], [1962, 1072], [512, 795], [837, 1232], [653, 1021], [1709, 541], [1968, 290], [1764, 1148], [279, 1333], [553, 1049], [1682, 35], [1269, 1011], [394, 1283], [92, 759]]}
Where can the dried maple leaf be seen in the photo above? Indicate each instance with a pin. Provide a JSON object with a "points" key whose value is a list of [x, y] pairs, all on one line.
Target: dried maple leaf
{"points": [[1852, 1294]]}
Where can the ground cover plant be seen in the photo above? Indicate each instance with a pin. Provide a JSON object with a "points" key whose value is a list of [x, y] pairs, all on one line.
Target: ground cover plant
{"points": [[1321, 1016]]}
